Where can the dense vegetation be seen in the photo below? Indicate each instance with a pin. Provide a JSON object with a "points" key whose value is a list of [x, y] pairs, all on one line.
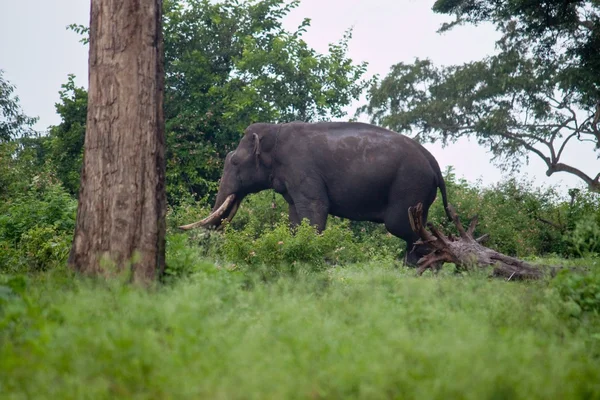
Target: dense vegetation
{"points": [[259, 311], [364, 331]]}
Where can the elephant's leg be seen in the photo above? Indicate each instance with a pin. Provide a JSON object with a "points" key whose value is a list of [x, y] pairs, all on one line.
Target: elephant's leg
{"points": [[293, 215], [399, 226], [315, 211], [397, 222], [312, 205], [310, 200]]}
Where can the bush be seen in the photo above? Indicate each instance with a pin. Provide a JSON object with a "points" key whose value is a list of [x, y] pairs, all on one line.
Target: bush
{"points": [[183, 258], [44, 246], [335, 246], [585, 238], [36, 227], [10, 259], [580, 292], [188, 210], [509, 212]]}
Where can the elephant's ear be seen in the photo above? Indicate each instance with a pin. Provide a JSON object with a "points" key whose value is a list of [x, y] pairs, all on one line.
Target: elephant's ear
{"points": [[260, 155], [256, 149]]}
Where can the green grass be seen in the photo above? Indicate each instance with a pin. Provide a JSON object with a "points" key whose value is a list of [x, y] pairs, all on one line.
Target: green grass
{"points": [[366, 331]]}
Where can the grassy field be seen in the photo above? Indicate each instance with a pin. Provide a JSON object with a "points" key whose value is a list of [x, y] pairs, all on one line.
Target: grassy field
{"points": [[363, 331]]}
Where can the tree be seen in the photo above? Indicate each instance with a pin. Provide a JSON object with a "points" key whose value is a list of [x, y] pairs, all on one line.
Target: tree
{"points": [[122, 202], [13, 122], [538, 94], [229, 64], [20, 146], [65, 141]]}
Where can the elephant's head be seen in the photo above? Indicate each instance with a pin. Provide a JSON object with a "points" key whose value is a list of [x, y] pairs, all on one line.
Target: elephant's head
{"points": [[247, 170]]}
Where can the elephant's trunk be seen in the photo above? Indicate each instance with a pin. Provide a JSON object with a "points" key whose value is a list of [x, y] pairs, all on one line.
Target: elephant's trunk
{"points": [[225, 211]]}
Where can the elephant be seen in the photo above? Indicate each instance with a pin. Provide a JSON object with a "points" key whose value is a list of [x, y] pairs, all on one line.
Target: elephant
{"points": [[352, 170]]}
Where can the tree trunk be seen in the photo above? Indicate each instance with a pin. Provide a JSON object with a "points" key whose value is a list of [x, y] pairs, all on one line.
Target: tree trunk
{"points": [[122, 201]]}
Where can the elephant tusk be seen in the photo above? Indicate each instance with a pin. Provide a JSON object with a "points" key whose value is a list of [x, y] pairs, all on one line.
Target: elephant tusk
{"points": [[214, 218], [234, 209]]}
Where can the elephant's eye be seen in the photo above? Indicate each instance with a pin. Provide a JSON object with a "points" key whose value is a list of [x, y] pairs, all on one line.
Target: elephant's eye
{"points": [[235, 160]]}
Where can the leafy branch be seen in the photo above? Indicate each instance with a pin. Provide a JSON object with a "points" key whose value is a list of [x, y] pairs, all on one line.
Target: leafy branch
{"points": [[536, 96]]}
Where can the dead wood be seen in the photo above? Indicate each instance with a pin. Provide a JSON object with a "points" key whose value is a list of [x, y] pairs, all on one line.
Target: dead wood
{"points": [[466, 251]]}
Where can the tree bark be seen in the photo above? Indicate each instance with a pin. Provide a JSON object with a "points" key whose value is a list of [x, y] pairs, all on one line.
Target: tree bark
{"points": [[122, 201]]}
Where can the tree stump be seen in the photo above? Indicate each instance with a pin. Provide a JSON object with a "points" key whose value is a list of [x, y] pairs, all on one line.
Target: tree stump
{"points": [[465, 251]]}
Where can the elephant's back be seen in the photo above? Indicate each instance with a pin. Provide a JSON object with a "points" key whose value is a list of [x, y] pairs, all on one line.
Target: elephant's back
{"points": [[351, 133], [356, 143], [351, 156]]}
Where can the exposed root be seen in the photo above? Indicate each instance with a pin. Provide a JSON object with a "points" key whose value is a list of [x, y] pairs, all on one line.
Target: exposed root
{"points": [[465, 251]]}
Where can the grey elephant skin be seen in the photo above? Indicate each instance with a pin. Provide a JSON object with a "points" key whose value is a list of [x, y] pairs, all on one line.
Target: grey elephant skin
{"points": [[351, 170]]}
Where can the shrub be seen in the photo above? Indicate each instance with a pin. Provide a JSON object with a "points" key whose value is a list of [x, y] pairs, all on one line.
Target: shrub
{"points": [[36, 226], [585, 238], [335, 245], [183, 258], [9, 257], [187, 211], [262, 211], [580, 292], [44, 246], [356, 332]]}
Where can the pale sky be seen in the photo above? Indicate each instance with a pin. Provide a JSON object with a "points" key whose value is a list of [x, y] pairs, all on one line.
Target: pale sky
{"points": [[37, 53]]}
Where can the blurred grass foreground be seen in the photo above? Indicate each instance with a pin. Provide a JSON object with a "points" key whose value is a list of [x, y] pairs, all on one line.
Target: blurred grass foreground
{"points": [[368, 330]]}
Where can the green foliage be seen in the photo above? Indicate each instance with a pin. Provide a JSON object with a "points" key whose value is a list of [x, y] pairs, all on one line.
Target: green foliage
{"points": [[534, 97], [82, 30], [14, 308], [585, 238], [36, 215], [9, 170], [21, 160], [21, 150], [553, 30], [36, 226], [260, 235], [580, 292], [260, 213], [520, 219], [66, 139], [502, 211], [45, 246], [13, 123], [230, 64], [184, 258], [45, 203], [357, 332], [282, 247]]}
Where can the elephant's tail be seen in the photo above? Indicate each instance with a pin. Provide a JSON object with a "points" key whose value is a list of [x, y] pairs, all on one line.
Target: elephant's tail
{"points": [[440, 181], [442, 186]]}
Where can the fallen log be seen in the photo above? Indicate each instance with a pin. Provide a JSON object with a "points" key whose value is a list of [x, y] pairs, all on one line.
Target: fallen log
{"points": [[466, 251]]}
